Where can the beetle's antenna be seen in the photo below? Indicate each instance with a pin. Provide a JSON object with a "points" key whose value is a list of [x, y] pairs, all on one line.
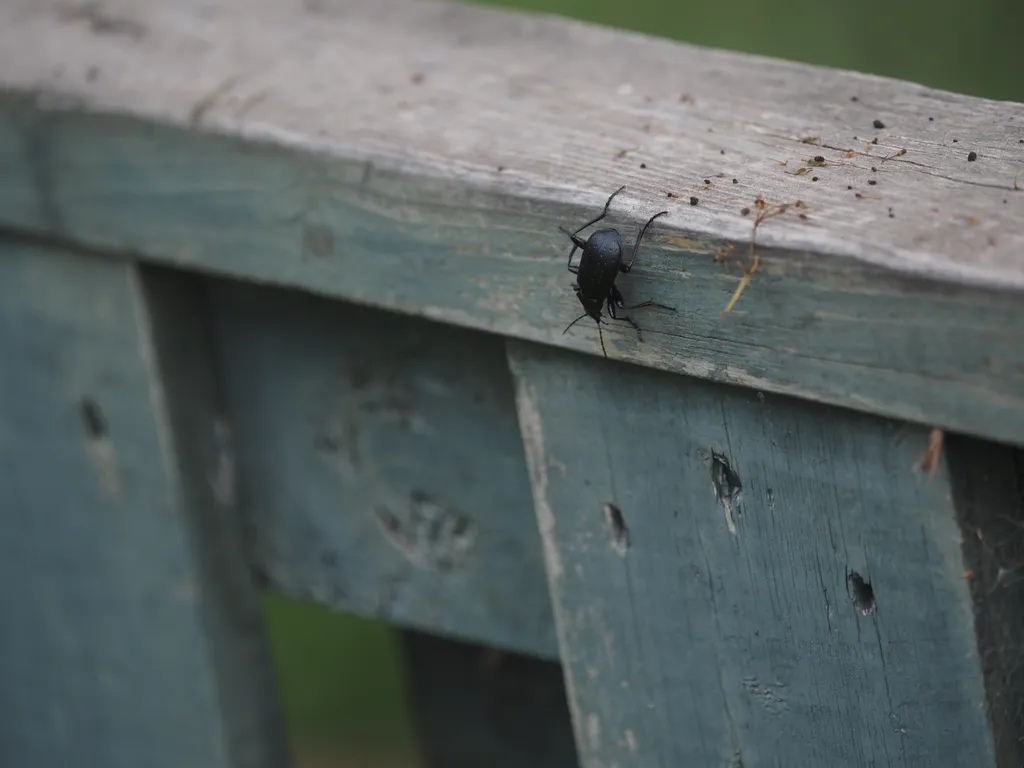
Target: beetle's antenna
{"points": [[601, 337], [570, 325], [636, 245]]}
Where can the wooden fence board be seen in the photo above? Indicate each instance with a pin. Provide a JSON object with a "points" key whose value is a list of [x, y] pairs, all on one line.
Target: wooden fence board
{"points": [[239, 148], [131, 632], [477, 706], [381, 465], [714, 619]]}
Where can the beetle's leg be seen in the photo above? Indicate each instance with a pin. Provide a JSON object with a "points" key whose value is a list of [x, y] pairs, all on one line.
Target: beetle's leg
{"points": [[649, 304], [626, 266], [615, 299]]}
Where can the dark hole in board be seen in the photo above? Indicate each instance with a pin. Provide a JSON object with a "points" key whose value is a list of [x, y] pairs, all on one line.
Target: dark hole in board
{"points": [[617, 530], [862, 593], [724, 479], [92, 419]]}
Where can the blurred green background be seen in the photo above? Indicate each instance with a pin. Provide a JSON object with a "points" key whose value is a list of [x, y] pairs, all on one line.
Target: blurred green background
{"points": [[341, 677]]}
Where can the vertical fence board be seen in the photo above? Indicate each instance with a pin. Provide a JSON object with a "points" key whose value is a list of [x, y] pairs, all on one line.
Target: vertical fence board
{"points": [[988, 489], [478, 706], [382, 465], [693, 634], [131, 633]]}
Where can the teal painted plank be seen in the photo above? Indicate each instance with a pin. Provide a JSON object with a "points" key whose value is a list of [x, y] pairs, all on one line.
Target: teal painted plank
{"points": [[687, 643], [492, 257], [476, 706], [381, 465], [131, 631], [988, 489]]}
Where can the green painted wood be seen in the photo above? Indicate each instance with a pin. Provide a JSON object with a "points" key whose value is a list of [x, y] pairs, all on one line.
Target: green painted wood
{"points": [[381, 465], [685, 643], [131, 633], [489, 255], [988, 490], [476, 706]]}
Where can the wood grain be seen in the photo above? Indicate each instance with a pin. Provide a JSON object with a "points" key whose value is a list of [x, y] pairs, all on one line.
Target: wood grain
{"points": [[132, 634], [700, 632], [354, 149], [460, 91], [380, 466]]}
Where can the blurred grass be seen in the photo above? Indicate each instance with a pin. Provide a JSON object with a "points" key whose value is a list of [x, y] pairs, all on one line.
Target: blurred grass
{"points": [[966, 46], [340, 677], [340, 683]]}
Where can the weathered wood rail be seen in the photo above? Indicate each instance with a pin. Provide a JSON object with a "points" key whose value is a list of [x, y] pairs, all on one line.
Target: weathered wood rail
{"points": [[282, 291]]}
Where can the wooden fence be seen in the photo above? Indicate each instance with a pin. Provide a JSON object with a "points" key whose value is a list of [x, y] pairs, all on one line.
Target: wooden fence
{"points": [[282, 299]]}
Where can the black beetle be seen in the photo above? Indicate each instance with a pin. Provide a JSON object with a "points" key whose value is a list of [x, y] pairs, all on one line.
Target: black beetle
{"points": [[599, 265]]}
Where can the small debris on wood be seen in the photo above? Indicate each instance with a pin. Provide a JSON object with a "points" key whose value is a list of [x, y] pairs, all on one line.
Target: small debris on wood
{"points": [[735, 181], [643, 165], [672, 195], [874, 140], [901, 153], [879, 125], [972, 156], [809, 140], [854, 98], [694, 200], [929, 460], [814, 178], [872, 182], [764, 213], [417, 78], [744, 212]]}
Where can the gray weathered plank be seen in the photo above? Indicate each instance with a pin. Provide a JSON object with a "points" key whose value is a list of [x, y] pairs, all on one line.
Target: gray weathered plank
{"points": [[476, 706], [988, 490], [132, 634], [316, 184], [685, 643], [382, 467]]}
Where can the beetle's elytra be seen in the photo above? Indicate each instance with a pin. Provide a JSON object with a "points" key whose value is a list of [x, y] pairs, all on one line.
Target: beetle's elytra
{"points": [[599, 265]]}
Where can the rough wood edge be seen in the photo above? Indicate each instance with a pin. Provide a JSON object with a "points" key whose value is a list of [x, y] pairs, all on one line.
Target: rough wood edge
{"points": [[458, 92]]}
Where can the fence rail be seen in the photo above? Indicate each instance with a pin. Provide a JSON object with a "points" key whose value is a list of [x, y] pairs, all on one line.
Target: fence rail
{"points": [[282, 299]]}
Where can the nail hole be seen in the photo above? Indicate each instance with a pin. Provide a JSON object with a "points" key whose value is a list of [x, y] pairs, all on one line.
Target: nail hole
{"points": [[727, 486], [861, 592], [92, 419], [618, 533]]}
